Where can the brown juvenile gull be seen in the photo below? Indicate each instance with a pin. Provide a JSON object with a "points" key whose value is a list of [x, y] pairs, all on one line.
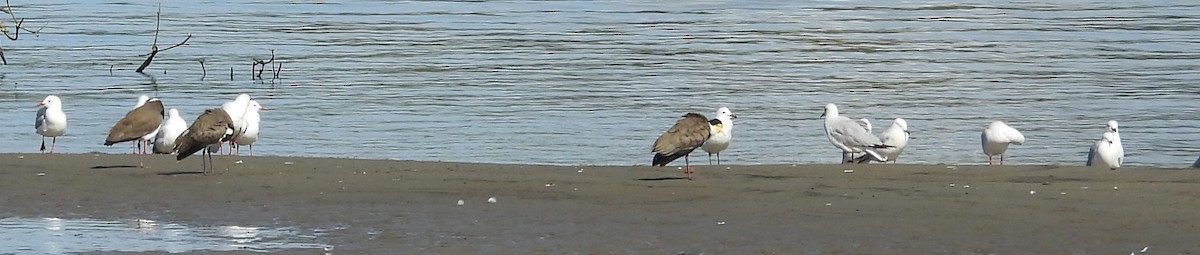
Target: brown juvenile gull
{"points": [[207, 133], [139, 122], [689, 133]]}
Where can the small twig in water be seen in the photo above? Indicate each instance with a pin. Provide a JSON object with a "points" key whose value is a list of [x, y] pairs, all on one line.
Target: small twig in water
{"points": [[203, 71], [264, 64]]}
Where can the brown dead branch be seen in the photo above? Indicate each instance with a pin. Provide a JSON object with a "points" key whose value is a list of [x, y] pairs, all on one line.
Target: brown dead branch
{"points": [[17, 28], [154, 46], [204, 71], [261, 65]]}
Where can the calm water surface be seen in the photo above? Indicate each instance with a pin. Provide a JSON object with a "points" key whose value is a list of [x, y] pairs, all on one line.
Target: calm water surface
{"points": [[60, 236], [595, 82]]}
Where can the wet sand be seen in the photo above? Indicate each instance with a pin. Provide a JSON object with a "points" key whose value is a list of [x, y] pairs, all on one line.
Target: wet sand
{"points": [[406, 207]]}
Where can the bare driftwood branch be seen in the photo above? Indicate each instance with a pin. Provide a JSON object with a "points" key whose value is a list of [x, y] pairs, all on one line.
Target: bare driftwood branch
{"points": [[203, 71], [16, 32], [260, 66], [154, 46]]}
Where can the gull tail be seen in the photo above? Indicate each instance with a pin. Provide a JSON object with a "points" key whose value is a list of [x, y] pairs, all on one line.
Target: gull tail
{"points": [[664, 159], [868, 156], [1091, 155]]}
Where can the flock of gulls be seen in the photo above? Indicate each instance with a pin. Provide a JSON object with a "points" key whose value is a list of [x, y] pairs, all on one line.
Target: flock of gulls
{"points": [[853, 136], [235, 122]]}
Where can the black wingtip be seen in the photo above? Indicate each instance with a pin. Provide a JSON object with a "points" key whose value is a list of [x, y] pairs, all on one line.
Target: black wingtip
{"points": [[663, 160], [863, 159], [185, 152]]}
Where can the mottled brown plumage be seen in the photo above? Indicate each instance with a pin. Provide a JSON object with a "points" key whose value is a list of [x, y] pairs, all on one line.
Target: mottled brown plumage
{"points": [[211, 128], [689, 133], [137, 123]]}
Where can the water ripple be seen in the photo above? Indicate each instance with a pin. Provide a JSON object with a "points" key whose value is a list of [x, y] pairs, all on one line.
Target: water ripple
{"points": [[581, 82]]}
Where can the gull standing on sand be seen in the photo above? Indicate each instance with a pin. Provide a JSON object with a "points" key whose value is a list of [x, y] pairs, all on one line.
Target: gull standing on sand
{"points": [[164, 141], [136, 124], [51, 121], [236, 110], [722, 134], [1112, 127], [896, 136], [996, 138], [689, 133], [143, 143], [207, 133], [1105, 152], [252, 127], [1108, 149], [851, 136]]}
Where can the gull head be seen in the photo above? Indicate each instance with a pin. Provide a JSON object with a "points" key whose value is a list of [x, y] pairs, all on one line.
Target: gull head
{"points": [[49, 101], [1112, 125], [1108, 137], [902, 124], [724, 111], [830, 111], [255, 106], [142, 99]]}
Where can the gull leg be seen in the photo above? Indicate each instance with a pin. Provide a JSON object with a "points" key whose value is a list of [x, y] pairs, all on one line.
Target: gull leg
{"points": [[687, 167], [718, 158], [53, 143], [1001, 159], [43, 149], [204, 161], [141, 162], [710, 159], [212, 167]]}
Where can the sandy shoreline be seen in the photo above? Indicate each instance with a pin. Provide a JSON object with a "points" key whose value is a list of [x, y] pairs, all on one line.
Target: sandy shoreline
{"points": [[406, 207]]}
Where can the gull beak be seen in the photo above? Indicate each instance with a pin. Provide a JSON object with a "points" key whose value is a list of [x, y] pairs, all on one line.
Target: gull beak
{"points": [[263, 108], [822, 115], [39, 104], [731, 116]]}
